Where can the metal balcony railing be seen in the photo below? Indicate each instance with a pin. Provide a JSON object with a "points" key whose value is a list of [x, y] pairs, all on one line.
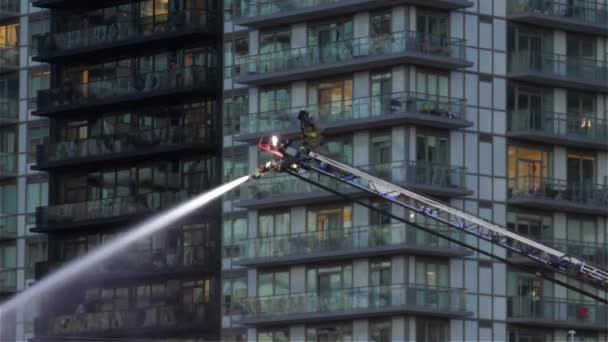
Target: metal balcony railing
{"points": [[584, 11], [558, 309], [358, 108], [526, 187], [110, 208], [344, 301], [349, 50], [125, 31], [125, 143], [578, 69], [569, 125], [589, 251], [419, 173], [130, 320], [256, 8], [345, 239], [185, 78]]}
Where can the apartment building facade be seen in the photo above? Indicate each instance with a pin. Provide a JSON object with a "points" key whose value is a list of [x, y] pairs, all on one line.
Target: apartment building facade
{"points": [[495, 107], [21, 189], [134, 118]]}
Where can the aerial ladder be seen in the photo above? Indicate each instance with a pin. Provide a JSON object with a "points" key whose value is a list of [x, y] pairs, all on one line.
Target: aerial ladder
{"points": [[546, 259]]}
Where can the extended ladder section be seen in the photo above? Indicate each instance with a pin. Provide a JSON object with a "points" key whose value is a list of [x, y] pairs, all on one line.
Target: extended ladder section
{"points": [[545, 256]]}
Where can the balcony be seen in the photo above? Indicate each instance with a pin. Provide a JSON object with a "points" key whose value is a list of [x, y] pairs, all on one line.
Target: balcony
{"points": [[9, 110], [551, 70], [8, 281], [8, 227], [72, 216], [558, 195], [150, 321], [357, 54], [9, 9], [557, 313], [160, 86], [579, 131], [8, 165], [594, 252], [353, 303], [259, 14], [586, 16], [110, 39], [285, 190], [347, 243], [429, 178], [9, 58], [138, 144], [361, 113]]}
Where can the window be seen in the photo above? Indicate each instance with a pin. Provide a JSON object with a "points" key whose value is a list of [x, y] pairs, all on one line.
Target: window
{"points": [[380, 273], [234, 108], [333, 97], [36, 135], [37, 27], [430, 330], [326, 35], [9, 35], [8, 198], [375, 218], [380, 153], [380, 330], [433, 23], [273, 283], [275, 41], [273, 224], [581, 173], [340, 148], [527, 168], [537, 335], [196, 244], [273, 335], [234, 290], [382, 89], [325, 219], [235, 231], [36, 252], [432, 148], [233, 51], [337, 332], [380, 23], [275, 99], [235, 166], [432, 83], [432, 273], [327, 279], [37, 196], [535, 225]]}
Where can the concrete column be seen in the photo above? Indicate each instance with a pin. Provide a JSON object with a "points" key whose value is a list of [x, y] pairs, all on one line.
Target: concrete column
{"points": [[361, 24], [360, 215], [254, 42], [361, 84], [297, 279], [399, 78], [410, 323], [360, 330], [412, 18], [398, 269], [252, 335], [298, 35], [399, 15], [360, 273], [560, 225], [361, 148], [252, 224], [297, 332], [560, 160], [298, 220], [398, 152], [299, 96], [398, 329], [252, 283], [411, 269]]}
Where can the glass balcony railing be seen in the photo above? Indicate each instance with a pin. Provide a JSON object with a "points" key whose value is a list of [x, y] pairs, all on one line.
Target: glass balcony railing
{"points": [[557, 309], [8, 163], [345, 239], [130, 142], [419, 173], [576, 69], [9, 57], [359, 108], [9, 109], [8, 227], [109, 208], [341, 302], [583, 11], [589, 251], [256, 8], [131, 320], [124, 31], [568, 125], [185, 78], [558, 190], [350, 50], [8, 280], [10, 7]]}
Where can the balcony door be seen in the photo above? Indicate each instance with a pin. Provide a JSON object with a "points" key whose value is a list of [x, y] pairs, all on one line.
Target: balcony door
{"points": [[334, 100], [529, 108], [382, 88], [527, 303], [332, 40], [581, 55], [581, 175]]}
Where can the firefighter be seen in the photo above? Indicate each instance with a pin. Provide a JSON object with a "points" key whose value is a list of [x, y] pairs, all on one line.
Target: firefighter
{"points": [[310, 131]]}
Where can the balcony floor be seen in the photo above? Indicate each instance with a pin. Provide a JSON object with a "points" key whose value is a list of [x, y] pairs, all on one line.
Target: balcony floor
{"points": [[559, 23], [343, 7], [129, 156], [358, 64], [559, 205], [547, 138], [349, 125], [350, 315], [175, 39], [312, 256], [554, 80]]}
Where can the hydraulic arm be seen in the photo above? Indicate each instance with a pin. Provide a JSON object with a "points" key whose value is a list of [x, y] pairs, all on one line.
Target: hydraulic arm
{"points": [[292, 161]]}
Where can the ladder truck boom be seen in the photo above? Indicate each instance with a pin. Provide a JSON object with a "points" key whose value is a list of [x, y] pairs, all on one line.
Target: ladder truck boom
{"points": [[293, 161]]}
